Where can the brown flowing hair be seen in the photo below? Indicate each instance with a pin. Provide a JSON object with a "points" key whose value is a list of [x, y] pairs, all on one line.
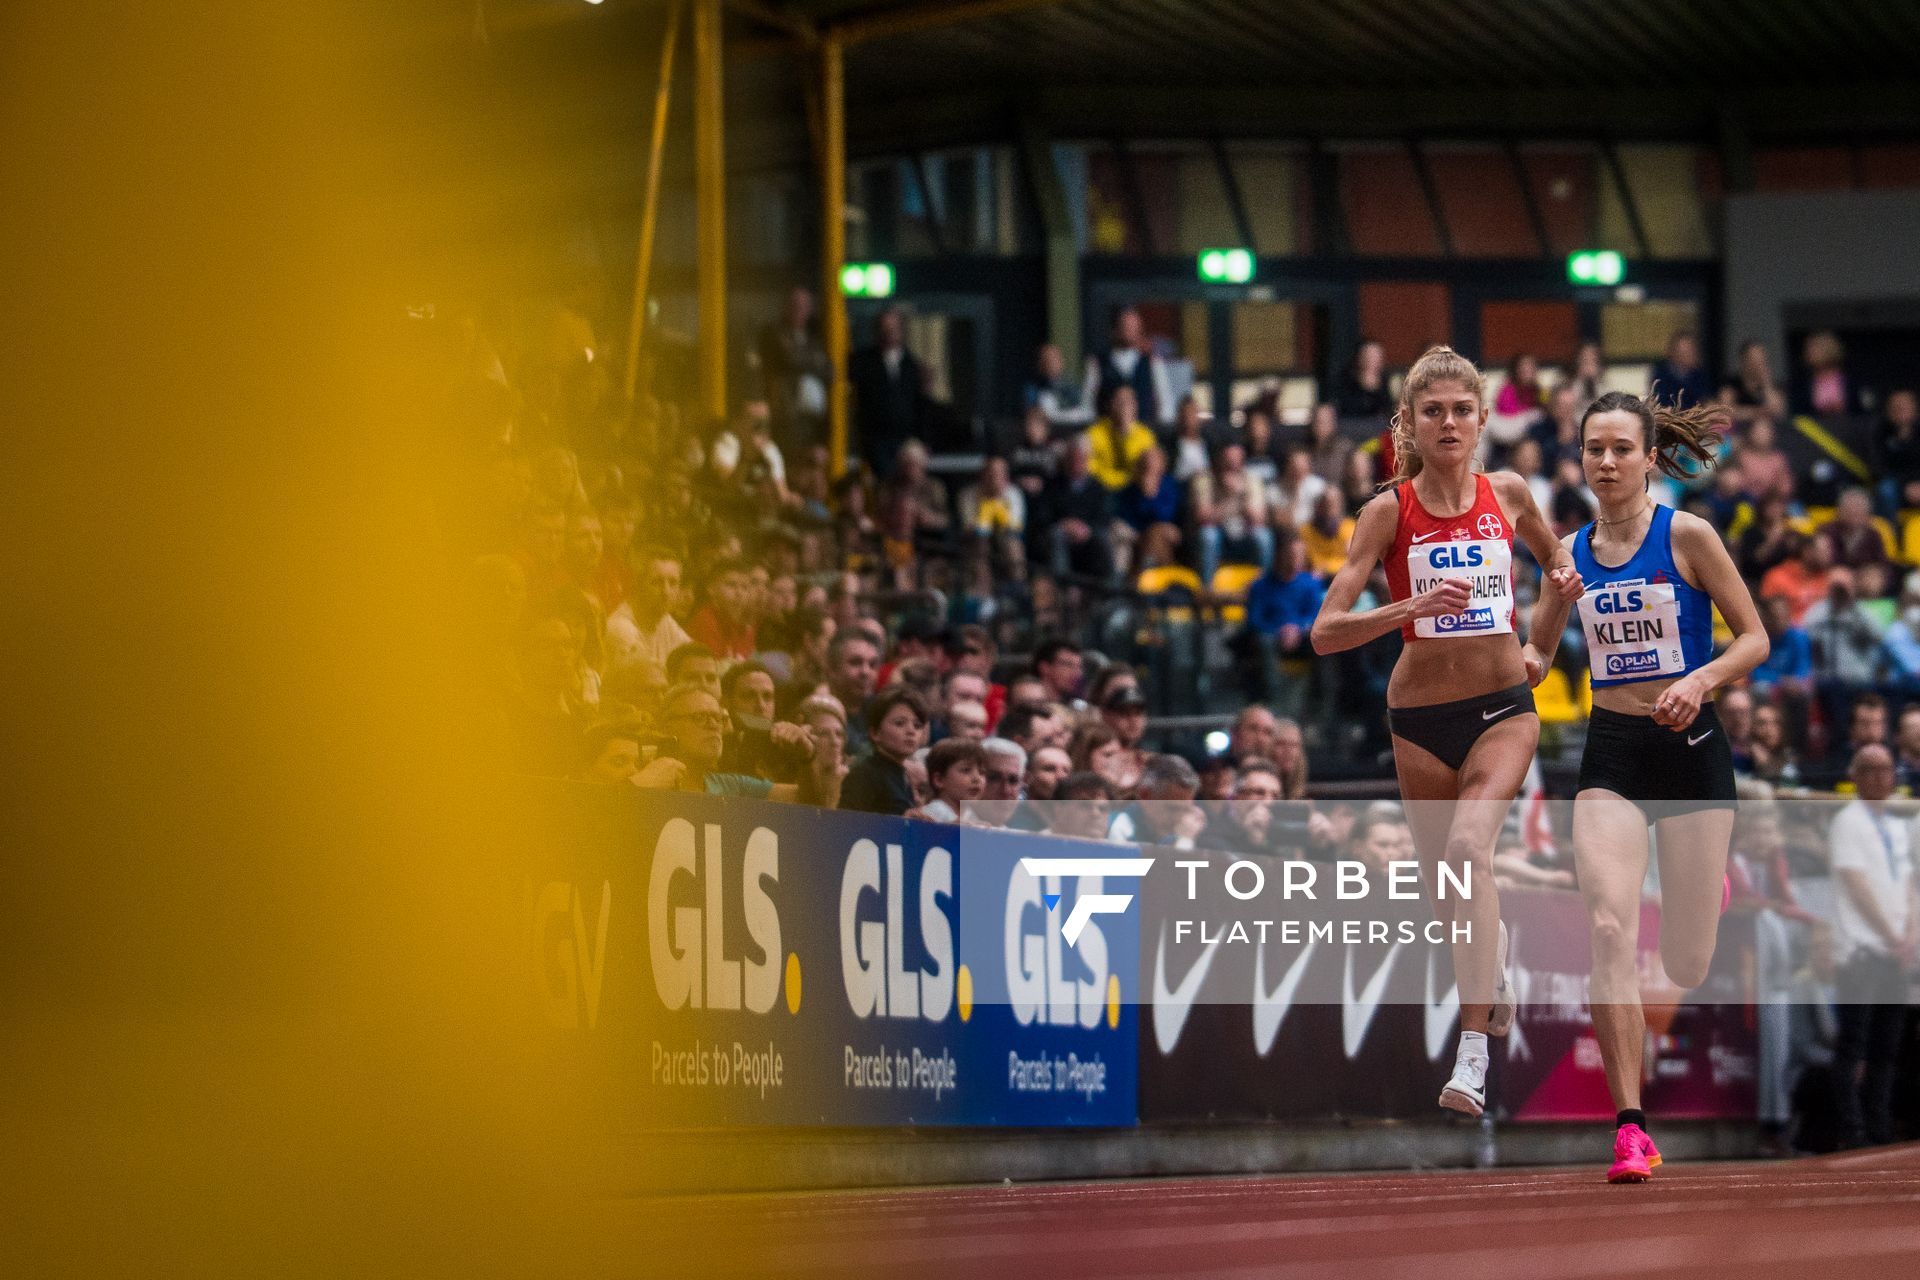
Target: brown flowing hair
{"points": [[1439, 364], [1672, 435]]}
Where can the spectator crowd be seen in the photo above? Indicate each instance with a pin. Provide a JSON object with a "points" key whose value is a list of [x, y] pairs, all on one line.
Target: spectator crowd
{"points": [[672, 603]]}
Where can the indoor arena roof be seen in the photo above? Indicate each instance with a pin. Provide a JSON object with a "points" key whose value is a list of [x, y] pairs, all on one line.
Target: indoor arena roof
{"points": [[1398, 65], [924, 73]]}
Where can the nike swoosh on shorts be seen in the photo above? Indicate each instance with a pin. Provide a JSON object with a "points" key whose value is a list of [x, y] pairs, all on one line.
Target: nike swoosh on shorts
{"points": [[1702, 738], [1488, 715]]}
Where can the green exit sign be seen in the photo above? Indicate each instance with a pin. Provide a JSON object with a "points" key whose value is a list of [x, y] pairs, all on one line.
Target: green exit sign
{"points": [[867, 279], [1596, 266], [1226, 266]]}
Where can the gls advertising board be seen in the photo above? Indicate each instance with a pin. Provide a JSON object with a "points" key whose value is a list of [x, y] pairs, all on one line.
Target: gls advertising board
{"points": [[708, 961]]}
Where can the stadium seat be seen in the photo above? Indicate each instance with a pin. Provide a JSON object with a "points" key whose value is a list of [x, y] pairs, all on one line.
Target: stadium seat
{"points": [[1232, 580], [1743, 515], [1179, 585], [1167, 577], [1910, 537], [1553, 699], [1813, 519]]}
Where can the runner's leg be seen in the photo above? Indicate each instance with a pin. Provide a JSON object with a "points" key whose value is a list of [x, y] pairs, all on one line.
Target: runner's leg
{"points": [[1693, 868], [1610, 857]]}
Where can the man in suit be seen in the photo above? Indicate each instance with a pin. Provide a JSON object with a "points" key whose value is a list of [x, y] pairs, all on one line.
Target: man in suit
{"points": [[889, 393]]}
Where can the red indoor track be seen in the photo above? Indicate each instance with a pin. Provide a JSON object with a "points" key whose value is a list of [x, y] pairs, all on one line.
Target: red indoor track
{"points": [[1838, 1215]]}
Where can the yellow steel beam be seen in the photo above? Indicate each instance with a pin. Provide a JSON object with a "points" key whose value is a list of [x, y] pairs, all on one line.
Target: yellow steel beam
{"points": [[650, 208], [710, 199], [924, 17], [833, 242]]}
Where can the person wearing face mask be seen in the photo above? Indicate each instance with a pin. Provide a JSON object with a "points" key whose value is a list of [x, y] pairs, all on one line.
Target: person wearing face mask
{"points": [[1846, 639], [1900, 644]]}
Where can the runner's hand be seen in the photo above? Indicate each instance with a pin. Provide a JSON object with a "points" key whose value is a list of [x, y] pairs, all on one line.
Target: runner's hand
{"points": [[1566, 583], [1536, 665], [1448, 596], [1677, 707]]}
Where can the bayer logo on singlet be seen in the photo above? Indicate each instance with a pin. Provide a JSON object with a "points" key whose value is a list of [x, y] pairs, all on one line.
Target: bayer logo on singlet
{"points": [[1489, 525]]}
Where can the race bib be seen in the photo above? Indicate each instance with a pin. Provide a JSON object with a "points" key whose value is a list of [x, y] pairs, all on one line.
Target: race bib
{"points": [[1486, 567], [1633, 631]]}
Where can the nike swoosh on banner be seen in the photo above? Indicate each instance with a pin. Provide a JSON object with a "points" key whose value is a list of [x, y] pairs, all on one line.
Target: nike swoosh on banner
{"points": [[1170, 1008], [1356, 1013], [1270, 1007], [1488, 715], [1422, 537], [1702, 738]]}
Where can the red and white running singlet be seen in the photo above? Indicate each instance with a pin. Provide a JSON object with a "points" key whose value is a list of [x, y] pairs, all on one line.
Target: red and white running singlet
{"points": [[1476, 547]]}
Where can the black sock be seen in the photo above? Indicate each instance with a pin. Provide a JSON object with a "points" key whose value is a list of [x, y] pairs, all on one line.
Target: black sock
{"points": [[1632, 1115]]}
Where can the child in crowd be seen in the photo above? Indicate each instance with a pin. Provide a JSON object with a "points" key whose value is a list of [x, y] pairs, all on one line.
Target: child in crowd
{"points": [[957, 774]]}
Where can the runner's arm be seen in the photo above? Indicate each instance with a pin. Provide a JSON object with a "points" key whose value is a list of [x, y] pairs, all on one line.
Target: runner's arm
{"points": [[1703, 560], [1338, 627], [1554, 558], [1544, 628]]}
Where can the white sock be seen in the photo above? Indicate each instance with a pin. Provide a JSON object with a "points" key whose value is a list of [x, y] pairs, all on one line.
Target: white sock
{"points": [[1473, 1044]]}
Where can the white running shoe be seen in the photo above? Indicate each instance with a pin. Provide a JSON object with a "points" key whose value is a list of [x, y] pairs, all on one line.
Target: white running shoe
{"points": [[1500, 1017], [1467, 1091]]}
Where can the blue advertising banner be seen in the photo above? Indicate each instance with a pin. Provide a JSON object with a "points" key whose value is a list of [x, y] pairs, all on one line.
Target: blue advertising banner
{"points": [[1053, 1030], [718, 961]]}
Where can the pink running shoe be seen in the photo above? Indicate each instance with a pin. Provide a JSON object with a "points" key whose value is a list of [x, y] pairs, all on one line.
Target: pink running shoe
{"points": [[1634, 1155]]}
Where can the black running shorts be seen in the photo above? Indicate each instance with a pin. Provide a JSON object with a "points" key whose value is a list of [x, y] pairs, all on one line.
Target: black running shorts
{"points": [[1673, 771]]}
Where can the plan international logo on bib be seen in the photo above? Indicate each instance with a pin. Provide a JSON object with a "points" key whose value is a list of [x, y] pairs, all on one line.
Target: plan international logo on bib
{"points": [[1633, 664], [1471, 620]]}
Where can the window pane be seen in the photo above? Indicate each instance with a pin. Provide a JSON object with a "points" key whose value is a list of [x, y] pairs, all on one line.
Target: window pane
{"points": [[1405, 317], [1565, 184], [1266, 338], [1481, 199], [1386, 211], [1641, 330], [1547, 330], [1666, 190], [1279, 198]]}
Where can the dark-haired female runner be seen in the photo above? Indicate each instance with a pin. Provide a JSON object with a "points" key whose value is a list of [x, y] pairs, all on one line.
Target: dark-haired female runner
{"points": [[1655, 752]]}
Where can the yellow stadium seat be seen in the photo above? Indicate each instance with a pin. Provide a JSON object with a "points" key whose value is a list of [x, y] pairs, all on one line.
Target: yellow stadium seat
{"points": [[1170, 577], [1910, 536], [1553, 699], [1232, 580], [1167, 577], [1813, 519], [1743, 515]]}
